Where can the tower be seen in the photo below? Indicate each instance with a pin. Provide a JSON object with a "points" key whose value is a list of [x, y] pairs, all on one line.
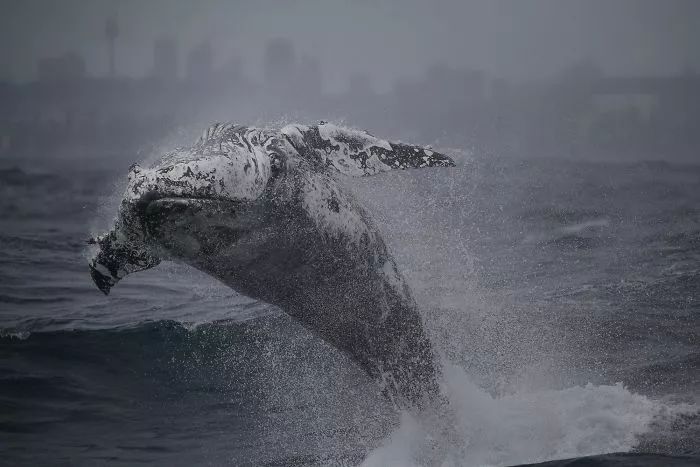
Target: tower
{"points": [[111, 33]]}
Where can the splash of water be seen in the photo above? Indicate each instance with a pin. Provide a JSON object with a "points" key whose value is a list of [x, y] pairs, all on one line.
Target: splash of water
{"points": [[529, 426]]}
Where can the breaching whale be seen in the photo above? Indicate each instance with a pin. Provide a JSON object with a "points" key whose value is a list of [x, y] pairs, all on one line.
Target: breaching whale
{"points": [[262, 211]]}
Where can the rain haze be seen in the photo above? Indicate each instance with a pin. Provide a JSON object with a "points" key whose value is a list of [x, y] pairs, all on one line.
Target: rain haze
{"points": [[349, 232], [506, 60], [384, 39]]}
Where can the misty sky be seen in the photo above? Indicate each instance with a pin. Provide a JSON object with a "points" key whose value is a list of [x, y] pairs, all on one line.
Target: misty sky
{"points": [[386, 39]]}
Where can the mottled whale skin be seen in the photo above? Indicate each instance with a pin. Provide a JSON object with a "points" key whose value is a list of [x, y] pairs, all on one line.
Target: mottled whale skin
{"points": [[261, 210]]}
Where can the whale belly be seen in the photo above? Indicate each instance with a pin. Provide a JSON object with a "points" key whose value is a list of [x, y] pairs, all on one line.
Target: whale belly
{"points": [[352, 297]]}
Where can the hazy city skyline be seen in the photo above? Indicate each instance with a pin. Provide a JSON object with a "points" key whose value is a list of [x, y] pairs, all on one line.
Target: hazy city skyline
{"points": [[515, 40]]}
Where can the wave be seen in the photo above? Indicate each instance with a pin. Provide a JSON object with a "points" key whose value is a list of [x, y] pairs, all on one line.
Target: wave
{"points": [[18, 177], [560, 214], [59, 330], [580, 235], [534, 426], [222, 362], [675, 243], [623, 460]]}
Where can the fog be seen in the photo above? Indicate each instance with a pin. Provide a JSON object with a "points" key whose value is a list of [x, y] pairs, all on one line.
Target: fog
{"points": [[385, 39], [556, 267], [591, 79]]}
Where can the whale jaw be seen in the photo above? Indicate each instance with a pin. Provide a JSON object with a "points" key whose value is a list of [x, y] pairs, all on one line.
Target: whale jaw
{"points": [[101, 280], [115, 259]]}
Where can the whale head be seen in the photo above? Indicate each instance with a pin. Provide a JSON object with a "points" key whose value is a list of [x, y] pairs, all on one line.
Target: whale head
{"points": [[184, 207], [220, 198]]}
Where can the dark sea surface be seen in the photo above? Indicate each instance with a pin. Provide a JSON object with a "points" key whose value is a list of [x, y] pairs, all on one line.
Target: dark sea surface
{"points": [[564, 297]]}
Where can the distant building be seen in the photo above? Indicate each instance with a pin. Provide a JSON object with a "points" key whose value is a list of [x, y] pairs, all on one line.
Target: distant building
{"points": [[360, 84], [455, 84], [642, 104], [280, 62], [200, 63], [111, 34], [644, 94], [231, 69], [68, 67], [165, 59]]}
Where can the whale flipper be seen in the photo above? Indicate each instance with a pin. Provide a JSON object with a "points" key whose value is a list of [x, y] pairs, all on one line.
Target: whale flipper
{"points": [[358, 153]]}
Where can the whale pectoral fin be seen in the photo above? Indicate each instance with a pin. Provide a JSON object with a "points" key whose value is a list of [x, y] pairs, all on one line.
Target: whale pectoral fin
{"points": [[358, 153], [407, 156]]}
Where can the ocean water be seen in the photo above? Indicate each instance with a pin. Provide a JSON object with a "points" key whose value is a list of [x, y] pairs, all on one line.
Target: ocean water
{"points": [[563, 296]]}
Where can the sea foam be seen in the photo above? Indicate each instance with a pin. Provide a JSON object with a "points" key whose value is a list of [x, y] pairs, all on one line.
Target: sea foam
{"points": [[529, 426]]}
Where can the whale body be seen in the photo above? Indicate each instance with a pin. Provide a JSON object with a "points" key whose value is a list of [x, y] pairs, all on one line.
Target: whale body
{"points": [[262, 211]]}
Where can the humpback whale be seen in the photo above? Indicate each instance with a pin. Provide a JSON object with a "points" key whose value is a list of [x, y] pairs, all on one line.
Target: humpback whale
{"points": [[262, 211]]}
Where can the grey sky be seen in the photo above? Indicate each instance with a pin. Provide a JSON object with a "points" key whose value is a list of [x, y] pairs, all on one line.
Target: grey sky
{"points": [[383, 38]]}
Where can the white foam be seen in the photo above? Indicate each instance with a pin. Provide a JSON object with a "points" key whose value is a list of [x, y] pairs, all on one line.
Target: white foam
{"points": [[585, 226], [530, 426], [581, 228]]}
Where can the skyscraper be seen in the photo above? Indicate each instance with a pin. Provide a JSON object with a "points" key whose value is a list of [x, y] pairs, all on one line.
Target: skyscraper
{"points": [[111, 34]]}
